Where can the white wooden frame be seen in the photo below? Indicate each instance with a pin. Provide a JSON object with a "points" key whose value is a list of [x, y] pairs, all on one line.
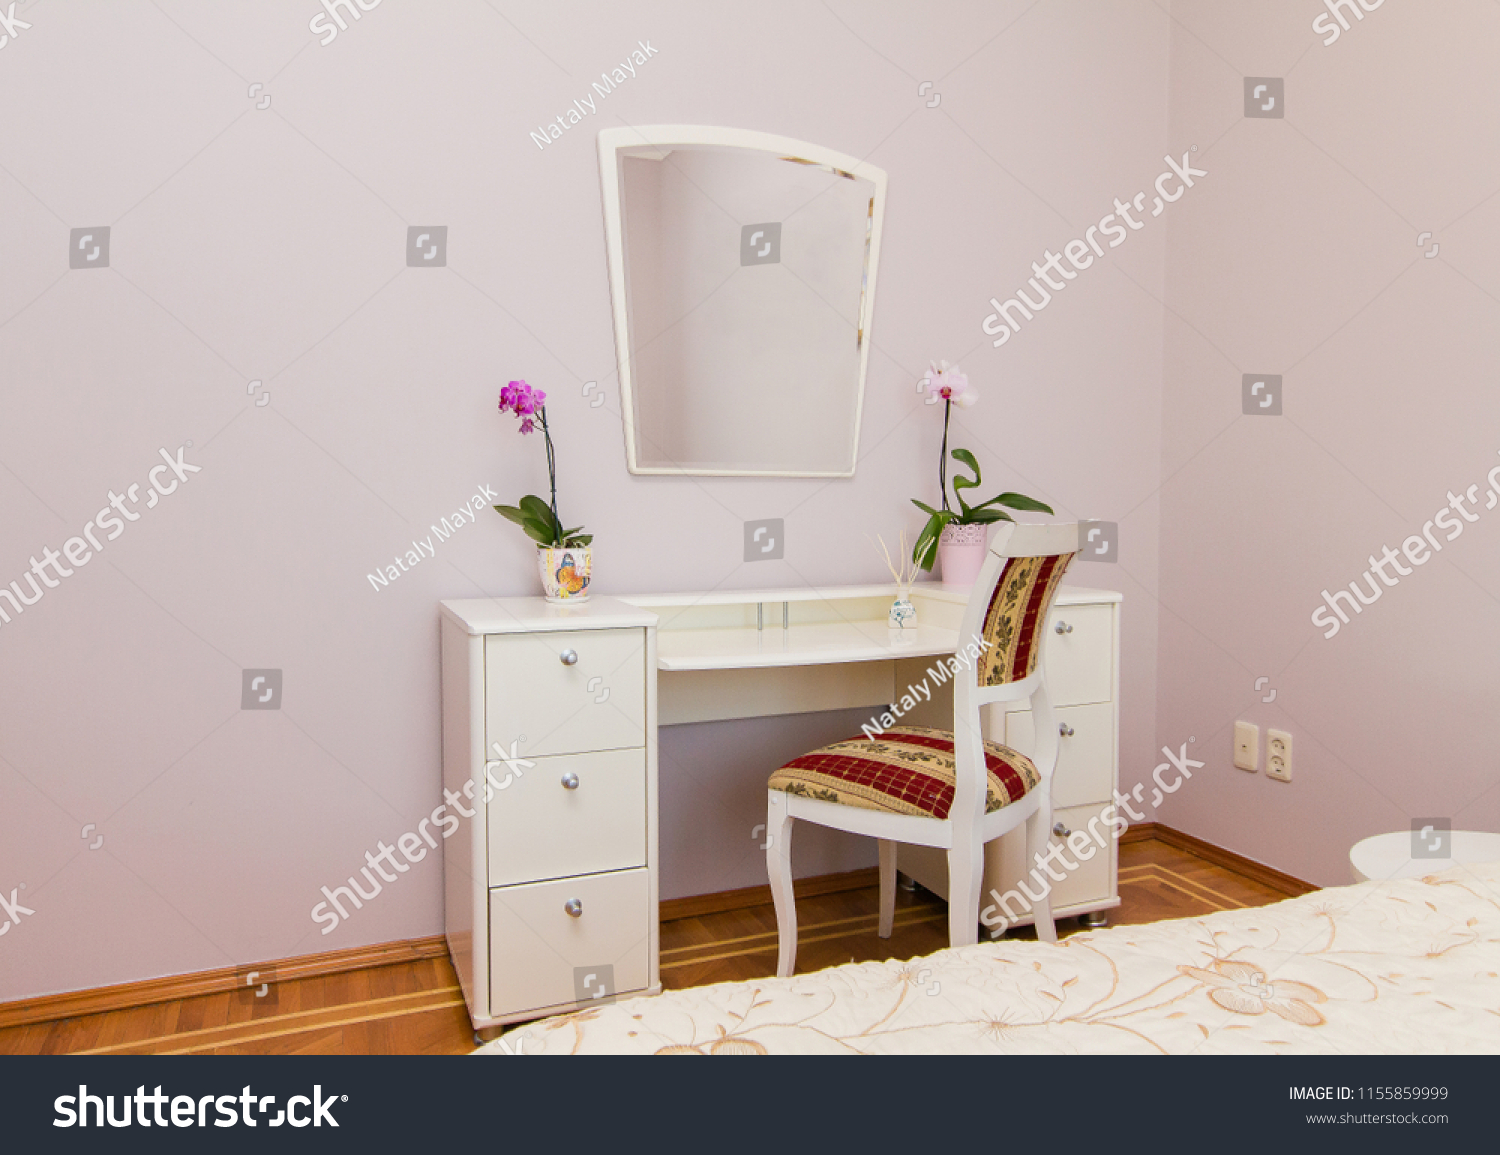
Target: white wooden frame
{"points": [[967, 828], [612, 141]]}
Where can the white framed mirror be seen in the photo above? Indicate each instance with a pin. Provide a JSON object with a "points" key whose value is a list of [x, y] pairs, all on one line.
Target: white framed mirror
{"points": [[742, 275]]}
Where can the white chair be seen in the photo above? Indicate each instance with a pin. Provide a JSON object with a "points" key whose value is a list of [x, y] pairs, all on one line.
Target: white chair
{"points": [[951, 790]]}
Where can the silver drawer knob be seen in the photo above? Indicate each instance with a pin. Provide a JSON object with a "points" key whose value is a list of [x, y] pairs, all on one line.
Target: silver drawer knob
{"points": [[1063, 628], [570, 781], [569, 657], [1060, 830], [574, 907], [1065, 730]]}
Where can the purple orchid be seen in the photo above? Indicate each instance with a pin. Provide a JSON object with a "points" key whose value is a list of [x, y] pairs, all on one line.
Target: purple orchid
{"points": [[522, 400], [537, 517]]}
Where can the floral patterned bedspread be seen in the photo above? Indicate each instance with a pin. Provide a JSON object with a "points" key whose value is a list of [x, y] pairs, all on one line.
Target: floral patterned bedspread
{"points": [[1383, 967]]}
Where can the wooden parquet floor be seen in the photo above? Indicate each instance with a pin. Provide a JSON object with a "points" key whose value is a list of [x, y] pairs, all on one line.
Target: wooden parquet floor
{"points": [[416, 1008]]}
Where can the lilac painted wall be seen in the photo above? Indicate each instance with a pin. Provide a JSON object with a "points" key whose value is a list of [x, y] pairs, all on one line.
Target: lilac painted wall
{"points": [[1304, 256], [265, 244]]}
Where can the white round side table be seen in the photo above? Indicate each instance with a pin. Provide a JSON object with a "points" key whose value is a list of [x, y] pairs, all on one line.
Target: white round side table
{"points": [[1387, 856]]}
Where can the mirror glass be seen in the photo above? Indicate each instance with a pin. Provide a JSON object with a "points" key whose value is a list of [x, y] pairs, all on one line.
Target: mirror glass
{"points": [[742, 271]]}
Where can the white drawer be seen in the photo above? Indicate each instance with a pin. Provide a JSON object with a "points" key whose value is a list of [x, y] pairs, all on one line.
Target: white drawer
{"points": [[1085, 758], [1088, 884], [536, 945], [596, 703], [540, 829], [1080, 662]]}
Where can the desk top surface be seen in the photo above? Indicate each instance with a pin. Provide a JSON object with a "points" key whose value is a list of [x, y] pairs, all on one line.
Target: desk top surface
{"points": [[526, 615], [1066, 595], [811, 644], [740, 647]]}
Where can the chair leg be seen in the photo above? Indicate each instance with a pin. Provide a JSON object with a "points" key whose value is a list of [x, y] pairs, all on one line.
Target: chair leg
{"points": [[887, 886], [779, 868], [1038, 831], [965, 871]]}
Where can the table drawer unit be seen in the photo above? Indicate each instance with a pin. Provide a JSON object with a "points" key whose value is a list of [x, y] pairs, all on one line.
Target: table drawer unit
{"points": [[547, 937], [1091, 883], [565, 691], [569, 814], [554, 879], [1085, 751]]}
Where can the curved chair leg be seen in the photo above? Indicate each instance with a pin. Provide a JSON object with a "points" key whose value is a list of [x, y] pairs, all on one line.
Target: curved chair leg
{"points": [[779, 868], [887, 886], [965, 868], [1038, 830]]}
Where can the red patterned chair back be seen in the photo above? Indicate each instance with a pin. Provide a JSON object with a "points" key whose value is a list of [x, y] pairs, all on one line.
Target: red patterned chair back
{"points": [[1017, 615], [1026, 566]]}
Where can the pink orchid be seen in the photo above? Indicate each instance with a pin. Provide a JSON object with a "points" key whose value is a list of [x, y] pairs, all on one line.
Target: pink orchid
{"points": [[945, 382]]}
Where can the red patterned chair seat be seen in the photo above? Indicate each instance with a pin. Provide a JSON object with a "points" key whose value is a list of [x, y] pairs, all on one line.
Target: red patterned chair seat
{"points": [[907, 770]]}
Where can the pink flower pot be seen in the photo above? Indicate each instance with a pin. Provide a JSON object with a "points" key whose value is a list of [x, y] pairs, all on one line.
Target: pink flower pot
{"points": [[961, 550]]}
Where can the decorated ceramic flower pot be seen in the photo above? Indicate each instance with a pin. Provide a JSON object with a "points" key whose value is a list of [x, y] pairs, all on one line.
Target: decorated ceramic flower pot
{"points": [[903, 615], [961, 550], [565, 573]]}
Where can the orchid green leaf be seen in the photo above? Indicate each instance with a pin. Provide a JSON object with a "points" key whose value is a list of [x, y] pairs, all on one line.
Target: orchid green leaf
{"points": [[1020, 501], [924, 553]]}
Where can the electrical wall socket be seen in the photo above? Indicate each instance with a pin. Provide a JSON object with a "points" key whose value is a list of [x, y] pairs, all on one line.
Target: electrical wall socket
{"points": [[1279, 755], [1246, 745]]}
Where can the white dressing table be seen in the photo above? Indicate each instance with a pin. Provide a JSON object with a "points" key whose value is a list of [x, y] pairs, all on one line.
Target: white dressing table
{"points": [[553, 885]]}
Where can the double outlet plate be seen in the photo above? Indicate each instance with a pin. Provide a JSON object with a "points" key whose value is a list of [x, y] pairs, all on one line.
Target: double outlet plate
{"points": [[1278, 750]]}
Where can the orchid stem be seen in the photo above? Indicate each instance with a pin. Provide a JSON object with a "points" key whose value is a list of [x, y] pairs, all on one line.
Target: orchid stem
{"points": [[552, 476], [942, 457]]}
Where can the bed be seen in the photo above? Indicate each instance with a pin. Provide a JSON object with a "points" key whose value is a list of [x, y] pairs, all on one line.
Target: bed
{"points": [[1398, 967]]}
